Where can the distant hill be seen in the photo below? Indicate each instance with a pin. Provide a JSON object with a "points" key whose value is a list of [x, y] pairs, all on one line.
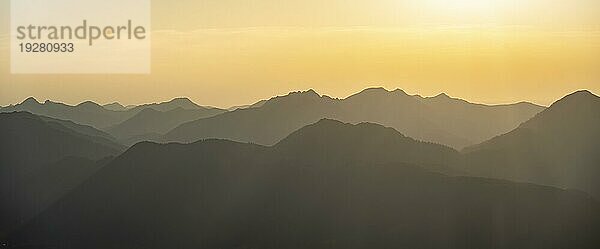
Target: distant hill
{"points": [[33, 173], [558, 147], [90, 113], [223, 194], [439, 119], [115, 107], [183, 103], [333, 142], [151, 123]]}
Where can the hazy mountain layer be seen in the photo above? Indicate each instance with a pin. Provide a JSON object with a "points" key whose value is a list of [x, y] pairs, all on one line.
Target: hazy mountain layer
{"points": [[305, 192], [82, 129], [558, 147], [439, 119], [149, 121], [90, 113], [115, 107]]}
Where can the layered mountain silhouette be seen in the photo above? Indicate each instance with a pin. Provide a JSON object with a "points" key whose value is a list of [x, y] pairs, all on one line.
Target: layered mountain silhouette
{"points": [[387, 175], [439, 119], [558, 147], [87, 113], [149, 123], [35, 170], [90, 113], [324, 186]]}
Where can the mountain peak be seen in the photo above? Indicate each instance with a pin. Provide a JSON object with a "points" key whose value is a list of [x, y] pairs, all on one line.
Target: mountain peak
{"points": [[576, 111], [181, 100], [374, 90], [442, 96], [399, 91], [379, 91], [295, 96], [577, 98], [30, 100], [581, 94], [184, 103], [115, 106], [309, 92], [88, 104]]}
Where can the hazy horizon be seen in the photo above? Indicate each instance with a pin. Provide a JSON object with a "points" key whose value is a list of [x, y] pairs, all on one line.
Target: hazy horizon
{"points": [[167, 99]]}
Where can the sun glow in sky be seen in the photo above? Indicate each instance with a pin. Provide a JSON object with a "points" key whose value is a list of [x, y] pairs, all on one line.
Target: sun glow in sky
{"points": [[232, 52], [464, 7]]}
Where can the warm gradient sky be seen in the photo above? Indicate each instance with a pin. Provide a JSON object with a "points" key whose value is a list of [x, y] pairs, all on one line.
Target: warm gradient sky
{"points": [[231, 52]]}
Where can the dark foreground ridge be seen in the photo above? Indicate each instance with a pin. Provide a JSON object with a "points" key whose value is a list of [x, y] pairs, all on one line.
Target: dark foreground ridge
{"points": [[223, 194]]}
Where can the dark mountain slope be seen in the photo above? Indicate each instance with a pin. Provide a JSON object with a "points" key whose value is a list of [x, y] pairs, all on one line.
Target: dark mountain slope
{"points": [[222, 194], [26, 195], [440, 119], [32, 148], [558, 147]]}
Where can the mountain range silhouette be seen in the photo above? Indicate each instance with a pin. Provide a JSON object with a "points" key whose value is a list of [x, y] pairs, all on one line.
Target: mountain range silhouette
{"points": [[439, 119], [379, 169], [100, 117]]}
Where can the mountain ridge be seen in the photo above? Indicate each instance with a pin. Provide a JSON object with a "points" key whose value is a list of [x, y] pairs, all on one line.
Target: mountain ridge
{"points": [[458, 123], [150, 121], [557, 147], [96, 115]]}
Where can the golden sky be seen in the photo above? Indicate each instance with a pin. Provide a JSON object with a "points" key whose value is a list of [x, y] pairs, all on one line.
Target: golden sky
{"points": [[232, 52]]}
